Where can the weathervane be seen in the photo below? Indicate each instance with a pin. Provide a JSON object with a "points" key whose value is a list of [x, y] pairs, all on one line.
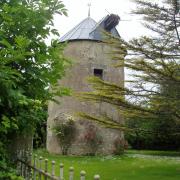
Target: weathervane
{"points": [[89, 11]]}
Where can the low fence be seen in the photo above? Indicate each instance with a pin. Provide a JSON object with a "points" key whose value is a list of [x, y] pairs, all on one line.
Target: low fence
{"points": [[36, 168]]}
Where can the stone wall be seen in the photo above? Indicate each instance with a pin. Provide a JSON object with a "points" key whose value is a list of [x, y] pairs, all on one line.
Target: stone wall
{"points": [[86, 56]]}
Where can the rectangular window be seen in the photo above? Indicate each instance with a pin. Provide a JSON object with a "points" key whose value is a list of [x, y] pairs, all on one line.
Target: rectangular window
{"points": [[98, 73]]}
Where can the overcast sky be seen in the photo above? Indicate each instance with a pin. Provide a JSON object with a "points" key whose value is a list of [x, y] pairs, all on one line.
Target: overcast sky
{"points": [[128, 27]]}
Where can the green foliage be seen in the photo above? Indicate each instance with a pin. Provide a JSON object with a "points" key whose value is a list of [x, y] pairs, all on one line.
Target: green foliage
{"points": [[39, 139], [28, 66], [160, 134], [65, 133], [153, 94], [10, 176], [93, 139]]}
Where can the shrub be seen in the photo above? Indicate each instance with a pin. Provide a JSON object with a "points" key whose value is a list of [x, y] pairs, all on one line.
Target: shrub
{"points": [[93, 139], [65, 133], [119, 146]]}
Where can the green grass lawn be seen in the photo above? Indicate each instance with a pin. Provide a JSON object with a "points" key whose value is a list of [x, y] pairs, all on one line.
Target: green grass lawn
{"points": [[126, 167]]}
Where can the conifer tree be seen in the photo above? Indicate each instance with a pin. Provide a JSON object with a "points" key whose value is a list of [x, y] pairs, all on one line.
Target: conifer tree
{"points": [[154, 92]]}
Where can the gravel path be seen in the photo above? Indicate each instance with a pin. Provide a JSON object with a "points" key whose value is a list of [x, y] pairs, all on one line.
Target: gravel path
{"points": [[154, 156]]}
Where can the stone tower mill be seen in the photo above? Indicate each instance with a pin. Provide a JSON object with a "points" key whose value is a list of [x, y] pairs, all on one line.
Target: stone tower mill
{"points": [[90, 57]]}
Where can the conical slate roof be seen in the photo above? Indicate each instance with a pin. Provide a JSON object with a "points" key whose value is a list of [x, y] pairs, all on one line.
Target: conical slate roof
{"points": [[88, 29], [81, 31]]}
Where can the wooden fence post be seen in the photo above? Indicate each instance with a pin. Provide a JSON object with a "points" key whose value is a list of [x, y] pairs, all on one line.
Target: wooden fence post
{"points": [[53, 168], [96, 177], [45, 168], [22, 164], [18, 162], [33, 171], [82, 174], [29, 163], [71, 173], [40, 167], [61, 171], [35, 165], [26, 158], [20, 157]]}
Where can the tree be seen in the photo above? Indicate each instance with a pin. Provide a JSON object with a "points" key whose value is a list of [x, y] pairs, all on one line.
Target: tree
{"points": [[154, 92], [27, 66]]}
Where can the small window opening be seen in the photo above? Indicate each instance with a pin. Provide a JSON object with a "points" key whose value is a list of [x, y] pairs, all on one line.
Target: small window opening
{"points": [[98, 73]]}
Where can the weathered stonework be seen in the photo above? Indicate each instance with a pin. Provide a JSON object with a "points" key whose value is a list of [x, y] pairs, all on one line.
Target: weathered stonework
{"points": [[86, 55]]}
